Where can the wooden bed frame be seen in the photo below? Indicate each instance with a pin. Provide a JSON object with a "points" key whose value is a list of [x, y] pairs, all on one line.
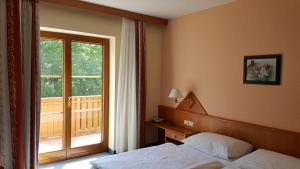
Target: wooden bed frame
{"points": [[273, 139]]}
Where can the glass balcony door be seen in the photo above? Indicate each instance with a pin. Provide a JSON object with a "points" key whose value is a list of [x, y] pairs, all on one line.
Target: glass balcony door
{"points": [[89, 88], [74, 109], [86, 99]]}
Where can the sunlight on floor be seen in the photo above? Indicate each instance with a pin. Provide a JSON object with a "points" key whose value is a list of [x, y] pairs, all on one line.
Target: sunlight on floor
{"points": [[56, 144], [78, 163]]}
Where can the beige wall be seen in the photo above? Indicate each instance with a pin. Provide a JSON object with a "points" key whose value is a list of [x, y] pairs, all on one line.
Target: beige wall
{"points": [[81, 21], [89, 22], [203, 52]]}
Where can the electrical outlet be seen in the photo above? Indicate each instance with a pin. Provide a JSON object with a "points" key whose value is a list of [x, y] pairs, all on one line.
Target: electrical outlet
{"points": [[188, 123]]}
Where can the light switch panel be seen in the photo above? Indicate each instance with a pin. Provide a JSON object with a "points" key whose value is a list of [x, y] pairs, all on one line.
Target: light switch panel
{"points": [[188, 123]]}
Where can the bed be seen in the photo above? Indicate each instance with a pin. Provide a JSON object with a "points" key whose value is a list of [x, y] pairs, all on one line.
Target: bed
{"points": [[200, 156], [210, 152], [200, 151], [165, 156]]}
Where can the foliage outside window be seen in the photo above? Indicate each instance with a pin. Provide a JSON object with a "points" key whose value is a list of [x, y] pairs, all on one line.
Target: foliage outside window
{"points": [[86, 68]]}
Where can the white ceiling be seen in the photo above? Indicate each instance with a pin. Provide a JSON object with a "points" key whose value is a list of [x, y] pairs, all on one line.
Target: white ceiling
{"points": [[161, 8]]}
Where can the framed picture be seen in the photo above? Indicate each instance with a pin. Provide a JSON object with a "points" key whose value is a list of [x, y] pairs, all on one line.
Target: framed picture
{"points": [[262, 69]]}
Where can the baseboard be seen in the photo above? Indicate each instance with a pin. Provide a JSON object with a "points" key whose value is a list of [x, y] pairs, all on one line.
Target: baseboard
{"points": [[152, 144], [110, 151]]}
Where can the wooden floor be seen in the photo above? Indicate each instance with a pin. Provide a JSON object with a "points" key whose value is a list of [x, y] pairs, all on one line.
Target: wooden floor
{"points": [[56, 144], [78, 163]]}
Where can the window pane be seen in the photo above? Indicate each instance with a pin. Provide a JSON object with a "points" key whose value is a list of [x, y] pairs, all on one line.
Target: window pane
{"points": [[87, 102], [86, 59], [51, 87], [51, 123], [51, 57], [86, 86]]}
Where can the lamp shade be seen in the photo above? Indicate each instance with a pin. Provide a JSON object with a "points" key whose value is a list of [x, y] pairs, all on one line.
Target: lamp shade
{"points": [[175, 93]]}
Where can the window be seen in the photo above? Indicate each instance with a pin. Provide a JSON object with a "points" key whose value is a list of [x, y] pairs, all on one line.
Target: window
{"points": [[74, 91]]}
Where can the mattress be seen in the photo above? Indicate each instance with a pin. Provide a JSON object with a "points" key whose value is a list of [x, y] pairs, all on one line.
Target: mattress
{"points": [[165, 156]]}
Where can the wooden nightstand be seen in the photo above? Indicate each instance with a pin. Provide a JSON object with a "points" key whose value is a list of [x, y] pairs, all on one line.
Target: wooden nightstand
{"points": [[174, 134]]}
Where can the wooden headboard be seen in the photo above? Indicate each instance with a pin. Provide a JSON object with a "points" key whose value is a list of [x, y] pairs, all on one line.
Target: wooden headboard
{"points": [[278, 140]]}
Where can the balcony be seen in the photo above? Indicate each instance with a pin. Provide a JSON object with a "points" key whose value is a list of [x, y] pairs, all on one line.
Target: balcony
{"points": [[86, 122]]}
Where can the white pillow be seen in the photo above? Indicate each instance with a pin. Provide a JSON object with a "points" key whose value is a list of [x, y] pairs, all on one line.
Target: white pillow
{"points": [[218, 145], [264, 159]]}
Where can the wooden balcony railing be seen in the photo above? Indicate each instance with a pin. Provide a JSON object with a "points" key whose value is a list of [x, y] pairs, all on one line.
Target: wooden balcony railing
{"points": [[87, 116]]}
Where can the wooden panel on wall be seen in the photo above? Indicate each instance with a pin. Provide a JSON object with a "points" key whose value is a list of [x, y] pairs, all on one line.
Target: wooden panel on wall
{"points": [[260, 136], [192, 104]]}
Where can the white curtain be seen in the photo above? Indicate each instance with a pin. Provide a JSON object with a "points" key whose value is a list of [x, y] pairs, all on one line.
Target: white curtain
{"points": [[5, 135], [126, 104], [28, 72]]}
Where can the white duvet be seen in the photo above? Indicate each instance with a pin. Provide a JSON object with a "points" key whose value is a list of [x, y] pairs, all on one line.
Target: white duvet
{"points": [[264, 159], [165, 156]]}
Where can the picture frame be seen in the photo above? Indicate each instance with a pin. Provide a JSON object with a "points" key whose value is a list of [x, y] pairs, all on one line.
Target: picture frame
{"points": [[262, 69]]}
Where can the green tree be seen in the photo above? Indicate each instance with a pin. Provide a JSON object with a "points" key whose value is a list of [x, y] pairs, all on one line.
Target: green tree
{"points": [[86, 61], [86, 68]]}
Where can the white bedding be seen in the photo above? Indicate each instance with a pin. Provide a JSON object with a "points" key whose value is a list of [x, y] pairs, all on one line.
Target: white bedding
{"points": [[165, 156], [264, 159]]}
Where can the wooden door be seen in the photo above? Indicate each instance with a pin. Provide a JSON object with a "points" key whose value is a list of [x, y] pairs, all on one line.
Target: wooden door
{"points": [[74, 90]]}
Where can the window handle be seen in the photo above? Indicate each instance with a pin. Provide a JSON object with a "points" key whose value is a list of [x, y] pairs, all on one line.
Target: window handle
{"points": [[70, 99]]}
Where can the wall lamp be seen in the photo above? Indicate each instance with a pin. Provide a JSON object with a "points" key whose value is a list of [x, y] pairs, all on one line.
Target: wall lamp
{"points": [[175, 94]]}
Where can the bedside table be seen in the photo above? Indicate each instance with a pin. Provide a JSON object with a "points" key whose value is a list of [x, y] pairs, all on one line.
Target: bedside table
{"points": [[172, 133]]}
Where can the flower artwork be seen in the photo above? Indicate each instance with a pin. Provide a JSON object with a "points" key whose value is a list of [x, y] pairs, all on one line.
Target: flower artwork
{"points": [[260, 72], [264, 69]]}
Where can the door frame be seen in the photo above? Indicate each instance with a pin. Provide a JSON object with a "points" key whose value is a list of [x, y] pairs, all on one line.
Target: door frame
{"points": [[68, 152]]}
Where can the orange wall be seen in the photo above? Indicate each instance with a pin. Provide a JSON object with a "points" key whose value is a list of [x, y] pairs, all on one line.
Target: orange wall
{"points": [[203, 52]]}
